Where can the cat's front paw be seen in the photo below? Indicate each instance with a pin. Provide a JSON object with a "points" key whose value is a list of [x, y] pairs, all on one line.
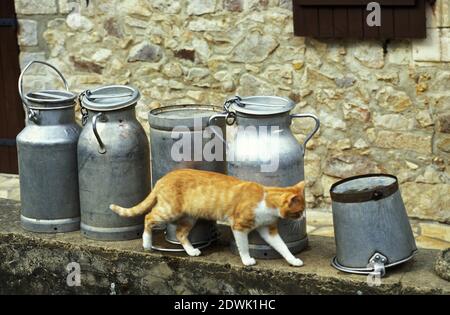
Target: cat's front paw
{"points": [[194, 252], [297, 262], [249, 261]]}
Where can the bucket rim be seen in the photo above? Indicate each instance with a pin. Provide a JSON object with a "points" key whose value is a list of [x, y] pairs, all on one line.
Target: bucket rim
{"points": [[375, 193], [365, 271], [157, 120], [169, 108]]}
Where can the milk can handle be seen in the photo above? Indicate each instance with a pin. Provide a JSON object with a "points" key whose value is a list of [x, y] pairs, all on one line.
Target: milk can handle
{"points": [[101, 149], [27, 67], [230, 119], [316, 127]]}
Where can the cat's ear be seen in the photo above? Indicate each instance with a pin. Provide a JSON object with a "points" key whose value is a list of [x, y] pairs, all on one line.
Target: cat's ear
{"points": [[301, 186], [293, 199]]}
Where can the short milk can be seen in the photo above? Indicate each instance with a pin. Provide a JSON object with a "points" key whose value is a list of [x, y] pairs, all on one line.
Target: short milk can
{"points": [[169, 125], [114, 162], [371, 226], [47, 153], [262, 148]]}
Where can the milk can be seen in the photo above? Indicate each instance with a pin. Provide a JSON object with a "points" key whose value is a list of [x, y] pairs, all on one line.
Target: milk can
{"points": [[371, 226], [114, 162], [262, 148], [169, 125], [47, 153]]}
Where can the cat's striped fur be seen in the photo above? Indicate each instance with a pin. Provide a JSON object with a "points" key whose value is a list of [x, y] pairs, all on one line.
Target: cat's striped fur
{"points": [[183, 196]]}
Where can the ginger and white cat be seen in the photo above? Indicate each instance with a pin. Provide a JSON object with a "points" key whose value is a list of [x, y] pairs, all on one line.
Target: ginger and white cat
{"points": [[185, 195]]}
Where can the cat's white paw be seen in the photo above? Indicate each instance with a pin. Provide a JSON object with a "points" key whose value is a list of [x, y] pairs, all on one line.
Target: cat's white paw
{"points": [[249, 261], [194, 252], [297, 262], [147, 241], [147, 247]]}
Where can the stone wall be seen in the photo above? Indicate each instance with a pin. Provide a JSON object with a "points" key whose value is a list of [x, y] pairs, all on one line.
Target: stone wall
{"points": [[384, 108]]}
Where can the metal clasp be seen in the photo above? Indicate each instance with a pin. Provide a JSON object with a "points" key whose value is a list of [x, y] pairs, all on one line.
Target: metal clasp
{"points": [[84, 115], [234, 100], [33, 116], [378, 262], [83, 110], [230, 119]]}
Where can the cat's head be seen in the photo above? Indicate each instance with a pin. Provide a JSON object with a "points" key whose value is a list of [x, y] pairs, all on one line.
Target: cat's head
{"points": [[290, 201]]}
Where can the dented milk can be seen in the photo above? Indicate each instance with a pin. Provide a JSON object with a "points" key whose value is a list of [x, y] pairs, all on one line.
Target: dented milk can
{"points": [[371, 226], [262, 148], [47, 153], [114, 162], [169, 125]]}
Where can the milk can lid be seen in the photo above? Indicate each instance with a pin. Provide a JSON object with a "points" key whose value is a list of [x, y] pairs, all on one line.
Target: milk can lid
{"points": [[109, 98], [260, 105], [364, 188], [50, 99]]}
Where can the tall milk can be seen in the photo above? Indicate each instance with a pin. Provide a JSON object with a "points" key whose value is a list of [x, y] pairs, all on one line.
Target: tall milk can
{"points": [[262, 148], [169, 125], [47, 153], [113, 162]]}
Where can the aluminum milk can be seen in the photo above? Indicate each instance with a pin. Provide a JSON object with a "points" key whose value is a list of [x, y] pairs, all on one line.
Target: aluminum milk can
{"points": [[371, 226], [262, 148], [114, 162], [47, 154], [168, 126]]}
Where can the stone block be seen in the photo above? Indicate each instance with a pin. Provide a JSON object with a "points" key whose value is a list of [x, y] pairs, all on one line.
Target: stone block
{"points": [[26, 57], [427, 201], [434, 14], [200, 7], [445, 45], [418, 142], [31, 7], [233, 5], [28, 32], [428, 49], [445, 9], [436, 230]]}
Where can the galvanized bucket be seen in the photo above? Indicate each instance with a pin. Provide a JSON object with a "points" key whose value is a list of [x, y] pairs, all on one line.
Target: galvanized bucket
{"points": [[168, 125], [47, 154], [371, 226], [273, 140], [114, 163]]}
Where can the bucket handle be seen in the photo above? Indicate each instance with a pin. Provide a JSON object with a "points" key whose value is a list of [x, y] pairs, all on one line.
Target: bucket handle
{"points": [[102, 148], [316, 127], [31, 113]]}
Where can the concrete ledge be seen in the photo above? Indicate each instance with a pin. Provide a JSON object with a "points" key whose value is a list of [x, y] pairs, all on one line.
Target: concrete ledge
{"points": [[36, 264]]}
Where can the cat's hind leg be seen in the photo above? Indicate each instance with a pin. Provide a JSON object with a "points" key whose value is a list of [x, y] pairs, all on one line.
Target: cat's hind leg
{"points": [[241, 238], [152, 219], [271, 236], [184, 226]]}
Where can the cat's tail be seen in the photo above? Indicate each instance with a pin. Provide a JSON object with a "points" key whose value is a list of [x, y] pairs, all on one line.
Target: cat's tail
{"points": [[142, 208]]}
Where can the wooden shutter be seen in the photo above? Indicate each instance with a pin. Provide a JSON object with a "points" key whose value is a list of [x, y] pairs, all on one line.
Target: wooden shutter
{"points": [[347, 19], [11, 112]]}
